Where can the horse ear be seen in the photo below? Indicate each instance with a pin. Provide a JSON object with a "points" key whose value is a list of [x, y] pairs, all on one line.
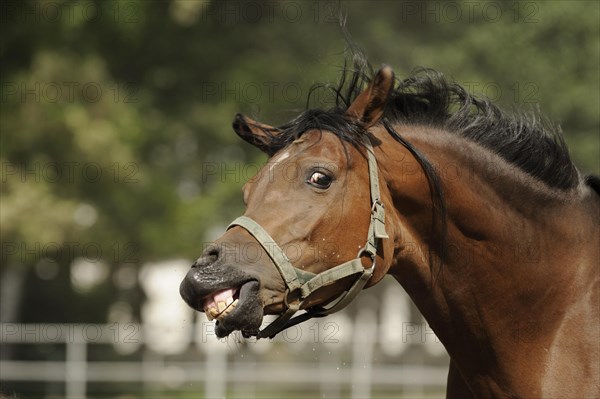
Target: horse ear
{"points": [[368, 107], [255, 133]]}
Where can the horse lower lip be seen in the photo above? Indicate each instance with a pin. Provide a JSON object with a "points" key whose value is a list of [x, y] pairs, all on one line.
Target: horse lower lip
{"points": [[246, 289], [246, 315]]}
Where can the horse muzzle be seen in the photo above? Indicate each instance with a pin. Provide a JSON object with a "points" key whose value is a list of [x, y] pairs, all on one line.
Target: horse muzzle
{"points": [[225, 293]]}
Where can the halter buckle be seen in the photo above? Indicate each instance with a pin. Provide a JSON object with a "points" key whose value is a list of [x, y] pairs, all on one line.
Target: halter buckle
{"points": [[378, 217]]}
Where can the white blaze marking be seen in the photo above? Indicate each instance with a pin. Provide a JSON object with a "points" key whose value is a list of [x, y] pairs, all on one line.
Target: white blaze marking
{"points": [[278, 159]]}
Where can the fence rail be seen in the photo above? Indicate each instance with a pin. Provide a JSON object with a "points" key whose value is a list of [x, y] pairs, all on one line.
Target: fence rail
{"points": [[215, 367]]}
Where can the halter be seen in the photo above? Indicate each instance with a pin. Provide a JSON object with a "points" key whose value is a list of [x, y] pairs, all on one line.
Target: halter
{"points": [[300, 284]]}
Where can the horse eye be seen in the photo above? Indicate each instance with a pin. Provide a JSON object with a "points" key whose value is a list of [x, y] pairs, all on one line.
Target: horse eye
{"points": [[320, 180]]}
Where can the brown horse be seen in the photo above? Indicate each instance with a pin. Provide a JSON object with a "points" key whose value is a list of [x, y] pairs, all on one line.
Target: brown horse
{"points": [[481, 216]]}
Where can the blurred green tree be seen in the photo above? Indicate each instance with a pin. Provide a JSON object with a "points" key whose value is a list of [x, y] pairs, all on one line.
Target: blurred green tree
{"points": [[115, 116]]}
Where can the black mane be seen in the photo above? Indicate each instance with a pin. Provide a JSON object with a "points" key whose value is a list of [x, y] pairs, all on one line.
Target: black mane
{"points": [[526, 140]]}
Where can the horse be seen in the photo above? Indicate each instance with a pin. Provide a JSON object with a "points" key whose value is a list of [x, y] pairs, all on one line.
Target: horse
{"points": [[480, 214]]}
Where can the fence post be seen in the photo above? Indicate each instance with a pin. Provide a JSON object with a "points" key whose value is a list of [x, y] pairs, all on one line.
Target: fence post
{"points": [[215, 366], [76, 366], [363, 343]]}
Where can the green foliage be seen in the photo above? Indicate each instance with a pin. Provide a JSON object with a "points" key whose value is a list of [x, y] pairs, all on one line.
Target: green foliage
{"points": [[144, 93]]}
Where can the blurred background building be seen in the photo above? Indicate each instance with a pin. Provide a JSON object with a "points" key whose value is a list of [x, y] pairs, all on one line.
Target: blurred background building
{"points": [[118, 165]]}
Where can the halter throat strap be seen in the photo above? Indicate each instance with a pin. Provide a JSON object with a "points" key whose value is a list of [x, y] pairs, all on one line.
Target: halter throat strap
{"points": [[300, 283]]}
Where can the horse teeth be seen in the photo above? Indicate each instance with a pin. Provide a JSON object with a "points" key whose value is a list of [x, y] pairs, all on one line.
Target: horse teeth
{"points": [[224, 308], [227, 310]]}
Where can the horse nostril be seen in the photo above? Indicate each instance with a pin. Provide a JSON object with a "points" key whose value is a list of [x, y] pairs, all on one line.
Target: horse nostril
{"points": [[212, 252], [213, 255], [210, 255]]}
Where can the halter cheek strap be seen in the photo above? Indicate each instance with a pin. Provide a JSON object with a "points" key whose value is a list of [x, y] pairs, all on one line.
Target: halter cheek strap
{"points": [[300, 284]]}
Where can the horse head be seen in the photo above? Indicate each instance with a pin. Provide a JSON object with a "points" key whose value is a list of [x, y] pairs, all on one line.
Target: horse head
{"points": [[314, 225]]}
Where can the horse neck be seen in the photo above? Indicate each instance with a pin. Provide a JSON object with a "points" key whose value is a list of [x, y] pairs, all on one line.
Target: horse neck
{"points": [[514, 248]]}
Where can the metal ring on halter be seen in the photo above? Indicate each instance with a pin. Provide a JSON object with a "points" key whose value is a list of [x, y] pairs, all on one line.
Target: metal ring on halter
{"points": [[285, 301], [371, 255]]}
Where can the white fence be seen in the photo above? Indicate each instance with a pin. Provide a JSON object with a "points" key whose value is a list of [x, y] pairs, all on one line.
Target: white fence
{"points": [[378, 345], [333, 365]]}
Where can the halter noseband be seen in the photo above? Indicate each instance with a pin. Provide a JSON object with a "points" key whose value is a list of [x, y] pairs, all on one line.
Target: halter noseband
{"points": [[301, 283]]}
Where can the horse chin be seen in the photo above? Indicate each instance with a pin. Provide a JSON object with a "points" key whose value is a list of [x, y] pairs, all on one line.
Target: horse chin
{"points": [[246, 316]]}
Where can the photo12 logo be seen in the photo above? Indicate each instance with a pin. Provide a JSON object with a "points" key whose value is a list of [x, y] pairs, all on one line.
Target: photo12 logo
{"points": [[469, 11], [55, 252], [316, 332], [69, 172], [69, 92], [124, 333], [70, 12], [233, 12]]}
